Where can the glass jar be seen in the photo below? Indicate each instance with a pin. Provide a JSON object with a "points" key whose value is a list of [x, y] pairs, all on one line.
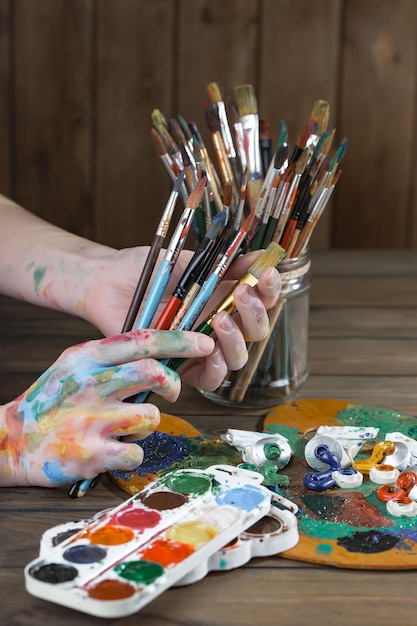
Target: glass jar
{"points": [[277, 366]]}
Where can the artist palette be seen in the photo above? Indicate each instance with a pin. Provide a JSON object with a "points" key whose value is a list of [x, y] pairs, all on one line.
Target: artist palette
{"points": [[345, 527], [173, 532]]}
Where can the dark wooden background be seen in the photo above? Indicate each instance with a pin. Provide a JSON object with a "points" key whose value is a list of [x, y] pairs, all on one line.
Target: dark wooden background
{"points": [[80, 78]]}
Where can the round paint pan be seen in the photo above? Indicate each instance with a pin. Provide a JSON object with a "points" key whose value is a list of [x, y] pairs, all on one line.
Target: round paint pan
{"points": [[164, 500]]}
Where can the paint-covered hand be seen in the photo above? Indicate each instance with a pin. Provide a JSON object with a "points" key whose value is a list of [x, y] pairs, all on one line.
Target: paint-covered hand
{"points": [[66, 426]]}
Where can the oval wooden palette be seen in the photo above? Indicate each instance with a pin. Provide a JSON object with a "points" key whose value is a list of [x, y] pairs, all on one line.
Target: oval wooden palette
{"points": [[340, 527]]}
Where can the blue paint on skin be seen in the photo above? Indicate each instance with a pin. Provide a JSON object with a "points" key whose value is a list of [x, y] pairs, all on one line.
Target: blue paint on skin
{"points": [[55, 473]]}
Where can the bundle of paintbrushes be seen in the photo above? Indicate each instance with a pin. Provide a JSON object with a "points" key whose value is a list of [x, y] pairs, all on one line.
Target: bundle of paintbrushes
{"points": [[288, 188], [277, 194], [246, 197]]}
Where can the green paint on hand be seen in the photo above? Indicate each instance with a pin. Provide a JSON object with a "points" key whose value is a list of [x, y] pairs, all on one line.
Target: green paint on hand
{"points": [[38, 275]]}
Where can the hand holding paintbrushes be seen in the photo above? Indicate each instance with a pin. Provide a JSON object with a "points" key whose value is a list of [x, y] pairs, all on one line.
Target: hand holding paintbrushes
{"points": [[288, 202]]}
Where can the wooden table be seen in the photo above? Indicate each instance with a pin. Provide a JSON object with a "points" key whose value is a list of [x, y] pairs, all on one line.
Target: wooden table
{"points": [[363, 348]]}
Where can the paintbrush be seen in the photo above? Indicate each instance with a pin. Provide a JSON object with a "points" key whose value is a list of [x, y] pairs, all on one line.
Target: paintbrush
{"points": [[170, 166], [180, 139], [302, 138], [261, 232], [282, 140], [241, 206], [198, 224], [301, 221], [153, 253], [317, 211], [256, 351], [265, 145], [248, 112], [321, 152], [299, 167], [239, 135], [174, 248], [300, 207], [200, 255], [271, 182], [269, 258], [212, 178], [215, 97], [225, 168], [201, 276], [161, 125]]}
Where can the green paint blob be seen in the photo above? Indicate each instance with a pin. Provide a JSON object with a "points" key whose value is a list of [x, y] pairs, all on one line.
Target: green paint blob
{"points": [[272, 451], [323, 529], [324, 548], [144, 572], [189, 483], [38, 274]]}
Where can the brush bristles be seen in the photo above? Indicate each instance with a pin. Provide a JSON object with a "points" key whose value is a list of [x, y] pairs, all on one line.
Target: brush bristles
{"points": [[300, 165], [212, 118], [246, 100], [158, 118], [272, 255], [158, 143], [196, 194], [186, 161], [214, 93]]}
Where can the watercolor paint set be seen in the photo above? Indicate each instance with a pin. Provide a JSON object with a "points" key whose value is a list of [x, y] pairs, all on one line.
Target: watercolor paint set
{"points": [[174, 532]]}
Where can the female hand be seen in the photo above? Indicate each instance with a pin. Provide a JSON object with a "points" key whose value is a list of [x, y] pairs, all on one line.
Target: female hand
{"points": [[66, 426], [114, 280]]}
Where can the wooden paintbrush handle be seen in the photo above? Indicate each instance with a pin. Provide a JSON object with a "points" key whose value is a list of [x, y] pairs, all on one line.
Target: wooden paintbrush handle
{"points": [[256, 351]]}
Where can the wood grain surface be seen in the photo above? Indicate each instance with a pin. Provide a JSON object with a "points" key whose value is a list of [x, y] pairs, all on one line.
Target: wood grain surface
{"points": [[79, 80]]}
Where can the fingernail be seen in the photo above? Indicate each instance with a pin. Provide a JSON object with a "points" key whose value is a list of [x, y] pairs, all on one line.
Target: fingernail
{"points": [[246, 294], [217, 357], [225, 322], [272, 277], [204, 344]]}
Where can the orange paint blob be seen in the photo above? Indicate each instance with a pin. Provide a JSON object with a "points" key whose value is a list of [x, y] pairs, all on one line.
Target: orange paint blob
{"points": [[111, 590], [111, 535], [167, 552]]}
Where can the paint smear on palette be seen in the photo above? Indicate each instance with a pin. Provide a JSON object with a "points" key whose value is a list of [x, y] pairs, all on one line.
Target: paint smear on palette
{"points": [[342, 527], [164, 452]]}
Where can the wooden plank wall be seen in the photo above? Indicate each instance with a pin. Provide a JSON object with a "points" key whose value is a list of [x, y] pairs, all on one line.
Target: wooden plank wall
{"points": [[79, 79]]}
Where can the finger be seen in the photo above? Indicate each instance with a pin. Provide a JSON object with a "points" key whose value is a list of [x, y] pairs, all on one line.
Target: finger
{"points": [[230, 340], [132, 378], [253, 315], [122, 456], [93, 423], [269, 287], [208, 373], [159, 344]]}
